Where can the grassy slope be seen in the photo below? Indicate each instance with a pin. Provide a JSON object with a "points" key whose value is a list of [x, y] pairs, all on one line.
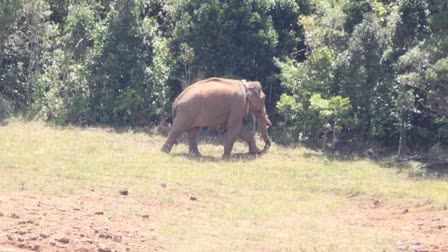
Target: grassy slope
{"points": [[288, 198]]}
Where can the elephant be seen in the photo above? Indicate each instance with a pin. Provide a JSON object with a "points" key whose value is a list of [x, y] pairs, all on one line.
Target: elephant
{"points": [[219, 102]]}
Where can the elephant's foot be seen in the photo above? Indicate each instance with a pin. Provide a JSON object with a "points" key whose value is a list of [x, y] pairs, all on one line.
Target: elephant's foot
{"points": [[166, 148], [254, 150], [195, 153], [266, 147]]}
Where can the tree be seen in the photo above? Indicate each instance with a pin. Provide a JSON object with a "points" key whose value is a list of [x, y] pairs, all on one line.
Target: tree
{"points": [[333, 113], [289, 108], [423, 73], [302, 80], [186, 57], [130, 70], [324, 35], [109, 70], [361, 74], [325, 28], [9, 10], [413, 25], [355, 11], [25, 33], [63, 84], [229, 38], [284, 14]]}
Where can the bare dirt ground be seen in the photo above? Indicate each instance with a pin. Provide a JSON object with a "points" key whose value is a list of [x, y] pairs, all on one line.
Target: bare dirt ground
{"points": [[90, 222], [97, 222], [423, 226]]}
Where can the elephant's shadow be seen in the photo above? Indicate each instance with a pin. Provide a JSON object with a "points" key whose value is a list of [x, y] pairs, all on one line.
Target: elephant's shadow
{"points": [[234, 157]]}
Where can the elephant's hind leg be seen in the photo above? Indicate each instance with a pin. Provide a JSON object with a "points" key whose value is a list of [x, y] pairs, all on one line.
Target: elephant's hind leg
{"points": [[170, 141], [193, 141], [181, 123], [231, 136]]}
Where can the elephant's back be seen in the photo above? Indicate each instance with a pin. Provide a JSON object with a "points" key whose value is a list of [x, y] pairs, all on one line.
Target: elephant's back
{"points": [[209, 103], [215, 89]]}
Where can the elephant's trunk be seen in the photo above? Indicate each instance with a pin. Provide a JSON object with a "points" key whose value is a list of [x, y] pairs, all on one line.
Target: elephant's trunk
{"points": [[263, 122]]}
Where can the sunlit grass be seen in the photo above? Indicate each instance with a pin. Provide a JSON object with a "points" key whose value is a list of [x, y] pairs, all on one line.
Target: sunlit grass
{"points": [[284, 199]]}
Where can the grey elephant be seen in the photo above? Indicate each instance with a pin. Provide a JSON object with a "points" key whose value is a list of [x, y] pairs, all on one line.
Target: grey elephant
{"points": [[219, 102]]}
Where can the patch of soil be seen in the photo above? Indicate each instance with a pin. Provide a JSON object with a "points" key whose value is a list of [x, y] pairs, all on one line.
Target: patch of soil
{"points": [[90, 222], [95, 221], [422, 227]]}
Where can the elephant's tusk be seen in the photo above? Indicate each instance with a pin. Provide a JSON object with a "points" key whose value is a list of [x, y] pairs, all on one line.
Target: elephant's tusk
{"points": [[268, 122]]}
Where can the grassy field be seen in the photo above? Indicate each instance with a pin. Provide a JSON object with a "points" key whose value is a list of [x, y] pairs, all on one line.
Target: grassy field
{"points": [[286, 200]]}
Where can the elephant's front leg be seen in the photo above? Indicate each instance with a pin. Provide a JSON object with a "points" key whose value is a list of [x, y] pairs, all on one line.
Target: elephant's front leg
{"points": [[193, 141], [247, 136]]}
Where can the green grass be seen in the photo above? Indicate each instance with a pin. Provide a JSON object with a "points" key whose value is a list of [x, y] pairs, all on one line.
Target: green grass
{"points": [[285, 199]]}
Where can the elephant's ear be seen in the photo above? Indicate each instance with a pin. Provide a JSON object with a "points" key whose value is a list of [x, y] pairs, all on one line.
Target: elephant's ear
{"points": [[255, 97]]}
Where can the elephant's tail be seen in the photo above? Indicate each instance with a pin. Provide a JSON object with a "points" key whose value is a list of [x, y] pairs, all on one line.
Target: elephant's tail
{"points": [[174, 108]]}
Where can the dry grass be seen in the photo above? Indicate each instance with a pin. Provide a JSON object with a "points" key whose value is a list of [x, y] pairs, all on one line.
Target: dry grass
{"points": [[288, 199]]}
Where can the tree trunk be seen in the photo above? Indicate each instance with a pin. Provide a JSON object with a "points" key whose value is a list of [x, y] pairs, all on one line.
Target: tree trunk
{"points": [[333, 141], [1, 56], [324, 141], [284, 125], [401, 141]]}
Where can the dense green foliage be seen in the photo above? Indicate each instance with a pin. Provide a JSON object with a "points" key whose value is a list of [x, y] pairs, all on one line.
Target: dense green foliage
{"points": [[357, 72], [388, 58]]}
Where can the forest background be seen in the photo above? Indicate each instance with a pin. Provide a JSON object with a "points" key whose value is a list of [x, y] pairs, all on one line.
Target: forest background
{"points": [[337, 73]]}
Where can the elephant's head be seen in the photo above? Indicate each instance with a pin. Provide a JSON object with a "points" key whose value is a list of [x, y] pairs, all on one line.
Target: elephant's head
{"points": [[256, 101]]}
